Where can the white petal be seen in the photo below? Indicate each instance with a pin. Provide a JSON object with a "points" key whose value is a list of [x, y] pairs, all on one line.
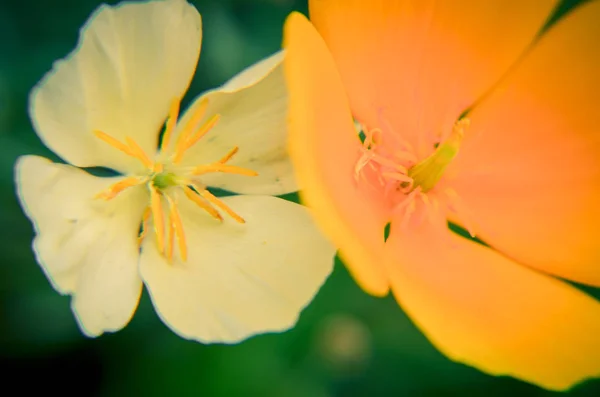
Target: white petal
{"points": [[253, 109], [240, 279], [87, 247], [132, 60]]}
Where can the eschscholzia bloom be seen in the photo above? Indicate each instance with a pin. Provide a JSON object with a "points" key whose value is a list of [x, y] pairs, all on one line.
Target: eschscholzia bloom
{"points": [[469, 116], [218, 269]]}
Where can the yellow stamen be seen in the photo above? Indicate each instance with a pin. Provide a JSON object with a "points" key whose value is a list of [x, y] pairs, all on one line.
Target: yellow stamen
{"points": [[118, 187], [171, 122], [227, 169], [139, 153], [189, 127], [145, 220], [215, 201], [196, 137], [200, 202], [158, 216], [176, 224]]}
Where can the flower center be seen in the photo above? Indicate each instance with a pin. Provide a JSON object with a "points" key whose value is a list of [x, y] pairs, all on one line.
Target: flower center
{"points": [[163, 180], [163, 176], [389, 164]]}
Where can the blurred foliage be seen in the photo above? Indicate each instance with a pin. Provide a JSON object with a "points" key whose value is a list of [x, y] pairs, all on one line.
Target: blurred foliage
{"points": [[346, 343]]}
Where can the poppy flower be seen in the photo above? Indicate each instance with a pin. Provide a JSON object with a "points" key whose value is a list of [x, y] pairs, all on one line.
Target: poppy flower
{"points": [[218, 269], [467, 116]]}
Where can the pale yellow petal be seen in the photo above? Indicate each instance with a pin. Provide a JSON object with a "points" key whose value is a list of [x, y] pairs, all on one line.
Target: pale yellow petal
{"points": [[254, 73], [253, 109], [87, 247], [239, 279], [132, 60]]}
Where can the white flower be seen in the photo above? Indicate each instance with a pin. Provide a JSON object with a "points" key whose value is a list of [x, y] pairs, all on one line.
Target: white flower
{"points": [[217, 269]]}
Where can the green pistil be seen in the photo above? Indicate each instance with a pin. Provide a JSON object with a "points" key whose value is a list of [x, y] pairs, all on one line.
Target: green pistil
{"points": [[429, 171], [163, 180]]}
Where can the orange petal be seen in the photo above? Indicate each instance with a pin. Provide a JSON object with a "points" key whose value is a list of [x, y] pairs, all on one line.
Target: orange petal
{"points": [[530, 170], [420, 63], [324, 147], [482, 309]]}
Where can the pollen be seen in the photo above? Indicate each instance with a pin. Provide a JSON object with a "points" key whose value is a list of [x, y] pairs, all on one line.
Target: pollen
{"points": [[164, 177]]}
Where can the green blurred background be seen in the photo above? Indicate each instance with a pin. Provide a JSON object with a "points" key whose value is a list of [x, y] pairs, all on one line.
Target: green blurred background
{"points": [[346, 342]]}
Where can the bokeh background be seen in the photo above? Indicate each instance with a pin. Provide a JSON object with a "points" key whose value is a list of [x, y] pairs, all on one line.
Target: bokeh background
{"points": [[346, 342]]}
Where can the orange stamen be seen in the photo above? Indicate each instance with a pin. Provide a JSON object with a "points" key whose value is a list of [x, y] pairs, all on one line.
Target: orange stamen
{"points": [[114, 142], [171, 122], [189, 128], [389, 163], [131, 149], [227, 169], [139, 153], [229, 155], [118, 187], [176, 224], [196, 137], [170, 240], [200, 202], [158, 168], [158, 216], [145, 220], [215, 201], [397, 176], [411, 207], [370, 141]]}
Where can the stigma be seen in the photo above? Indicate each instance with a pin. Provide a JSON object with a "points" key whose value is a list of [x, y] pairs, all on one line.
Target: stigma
{"points": [[163, 175], [427, 173]]}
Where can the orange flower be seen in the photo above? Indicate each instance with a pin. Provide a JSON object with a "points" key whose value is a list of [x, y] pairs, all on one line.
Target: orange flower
{"points": [[517, 165]]}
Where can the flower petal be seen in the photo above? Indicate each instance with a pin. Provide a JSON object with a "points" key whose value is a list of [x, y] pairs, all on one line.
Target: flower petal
{"points": [[419, 64], [131, 62], [239, 279], [253, 109], [529, 171], [325, 149], [87, 247], [482, 309]]}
